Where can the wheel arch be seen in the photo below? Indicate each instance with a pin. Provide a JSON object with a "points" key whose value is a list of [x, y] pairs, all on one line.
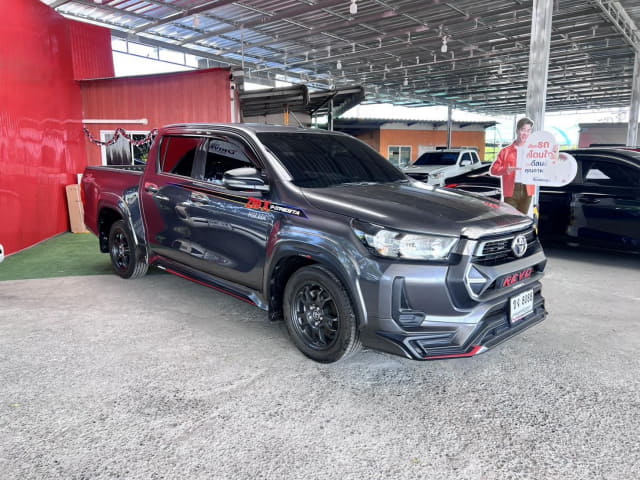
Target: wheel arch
{"points": [[107, 216], [294, 256], [110, 210]]}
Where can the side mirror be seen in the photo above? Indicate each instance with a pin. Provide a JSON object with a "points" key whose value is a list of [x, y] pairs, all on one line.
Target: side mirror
{"points": [[245, 178]]}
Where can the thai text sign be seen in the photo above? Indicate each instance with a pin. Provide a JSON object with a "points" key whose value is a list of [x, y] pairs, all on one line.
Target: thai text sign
{"points": [[540, 163]]}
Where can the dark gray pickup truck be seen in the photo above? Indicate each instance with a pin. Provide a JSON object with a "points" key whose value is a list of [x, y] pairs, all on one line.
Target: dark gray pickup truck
{"points": [[321, 231]]}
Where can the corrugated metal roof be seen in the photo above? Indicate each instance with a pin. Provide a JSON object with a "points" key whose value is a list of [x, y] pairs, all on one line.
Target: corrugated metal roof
{"points": [[394, 47]]}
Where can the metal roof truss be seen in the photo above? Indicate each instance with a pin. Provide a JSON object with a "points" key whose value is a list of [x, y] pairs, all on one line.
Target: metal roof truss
{"points": [[470, 54]]}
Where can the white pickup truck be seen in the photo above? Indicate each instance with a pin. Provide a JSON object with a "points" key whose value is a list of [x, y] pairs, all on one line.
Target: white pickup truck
{"points": [[435, 166]]}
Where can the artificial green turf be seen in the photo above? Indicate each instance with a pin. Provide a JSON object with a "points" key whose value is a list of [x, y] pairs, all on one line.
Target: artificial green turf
{"points": [[65, 255]]}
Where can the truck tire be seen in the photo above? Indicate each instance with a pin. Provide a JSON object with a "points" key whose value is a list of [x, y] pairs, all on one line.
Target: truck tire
{"points": [[122, 251], [319, 315]]}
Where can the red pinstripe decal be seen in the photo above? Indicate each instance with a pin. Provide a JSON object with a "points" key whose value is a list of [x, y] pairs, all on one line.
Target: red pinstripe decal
{"points": [[222, 290]]}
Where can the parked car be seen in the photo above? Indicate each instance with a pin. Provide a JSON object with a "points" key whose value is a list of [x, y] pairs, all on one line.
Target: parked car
{"points": [[320, 230], [434, 166], [600, 207]]}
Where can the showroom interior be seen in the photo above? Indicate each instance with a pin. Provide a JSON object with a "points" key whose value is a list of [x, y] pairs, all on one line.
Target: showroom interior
{"points": [[162, 378]]}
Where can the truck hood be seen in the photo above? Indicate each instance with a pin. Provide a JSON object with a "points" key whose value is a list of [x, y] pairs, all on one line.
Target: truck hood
{"points": [[418, 207]]}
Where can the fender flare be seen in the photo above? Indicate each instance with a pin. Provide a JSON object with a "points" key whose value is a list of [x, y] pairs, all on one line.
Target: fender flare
{"points": [[321, 255], [115, 203]]}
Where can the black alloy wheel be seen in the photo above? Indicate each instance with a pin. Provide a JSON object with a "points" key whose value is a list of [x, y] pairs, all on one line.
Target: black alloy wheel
{"points": [[123, 253], [316, 316], [319, 315]]}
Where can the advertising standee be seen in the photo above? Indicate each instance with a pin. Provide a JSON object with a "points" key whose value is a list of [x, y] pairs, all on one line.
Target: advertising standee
{"points": [[531, 161], [540, 163]]}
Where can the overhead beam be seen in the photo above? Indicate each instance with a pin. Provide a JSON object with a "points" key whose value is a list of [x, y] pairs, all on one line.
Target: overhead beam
{"points": [[615, 13], [266, 19], [183, 13]]}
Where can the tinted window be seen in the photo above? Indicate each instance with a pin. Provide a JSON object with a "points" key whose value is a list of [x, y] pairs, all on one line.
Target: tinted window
{"points": [[437, 158], [602, 172], [318, 160], [224, 154], [467, 157], [178, 153]]}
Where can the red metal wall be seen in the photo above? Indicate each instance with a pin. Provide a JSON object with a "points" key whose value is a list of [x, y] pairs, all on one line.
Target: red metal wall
{"points": [[90, 51], [42, 147], [195, 96]]}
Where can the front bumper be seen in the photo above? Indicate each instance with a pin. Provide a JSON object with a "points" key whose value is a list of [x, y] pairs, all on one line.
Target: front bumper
{"points": [[434, 341], [427, 312]]}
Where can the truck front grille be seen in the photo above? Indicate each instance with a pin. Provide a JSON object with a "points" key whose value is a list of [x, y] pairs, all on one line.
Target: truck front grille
{"points": [[422, 177], [497, 250]]}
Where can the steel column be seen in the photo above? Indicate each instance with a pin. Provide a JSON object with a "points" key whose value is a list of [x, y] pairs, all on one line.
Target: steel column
{"points": [[632, 131], [539, 61], [449, 124], [330, 116]]}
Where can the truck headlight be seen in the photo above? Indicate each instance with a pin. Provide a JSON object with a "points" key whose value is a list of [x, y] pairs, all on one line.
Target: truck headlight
{"points": [[405, 245]]}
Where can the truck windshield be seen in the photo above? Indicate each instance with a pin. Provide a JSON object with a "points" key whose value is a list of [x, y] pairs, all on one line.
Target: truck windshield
{"points": [[437, 158], [318, 160]]}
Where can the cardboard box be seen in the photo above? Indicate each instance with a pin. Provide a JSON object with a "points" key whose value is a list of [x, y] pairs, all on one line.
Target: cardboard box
{"points": [[76, 210]]}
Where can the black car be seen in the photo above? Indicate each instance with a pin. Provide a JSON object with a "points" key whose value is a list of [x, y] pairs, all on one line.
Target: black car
{"points": [[600, 207]]}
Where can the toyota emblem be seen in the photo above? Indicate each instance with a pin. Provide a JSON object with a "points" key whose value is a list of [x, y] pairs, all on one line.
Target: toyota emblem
{"points": [[519, 245]]}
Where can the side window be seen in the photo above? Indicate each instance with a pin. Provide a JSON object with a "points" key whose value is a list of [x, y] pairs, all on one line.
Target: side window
{"points": [[466, 159], [603, 172], [475, 158], [224, 154], [177, 154]]}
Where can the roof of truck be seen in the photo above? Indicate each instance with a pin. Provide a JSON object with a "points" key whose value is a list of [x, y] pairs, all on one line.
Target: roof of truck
{"points": [[203, 128]]}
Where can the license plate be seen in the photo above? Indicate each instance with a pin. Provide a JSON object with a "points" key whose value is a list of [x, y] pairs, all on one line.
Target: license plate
{"points": [[521, 306]]}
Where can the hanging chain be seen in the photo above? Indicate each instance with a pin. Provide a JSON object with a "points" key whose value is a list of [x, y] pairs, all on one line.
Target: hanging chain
{"points": [[117, 134]]}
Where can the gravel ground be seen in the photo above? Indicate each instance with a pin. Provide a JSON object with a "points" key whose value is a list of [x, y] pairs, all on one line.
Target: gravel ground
{"points": [[102, 378]]}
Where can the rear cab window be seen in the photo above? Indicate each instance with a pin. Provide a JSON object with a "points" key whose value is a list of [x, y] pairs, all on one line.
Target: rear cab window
{"points": [[177, 154]]}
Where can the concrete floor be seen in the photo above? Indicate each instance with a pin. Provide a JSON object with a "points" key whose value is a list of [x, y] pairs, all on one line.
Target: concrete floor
{"points": [[102, 378]]}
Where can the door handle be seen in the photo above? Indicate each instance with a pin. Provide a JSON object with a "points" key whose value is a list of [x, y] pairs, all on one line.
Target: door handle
{"points": [[181, 210], [590, 200], [150, 187], [199, 198]]}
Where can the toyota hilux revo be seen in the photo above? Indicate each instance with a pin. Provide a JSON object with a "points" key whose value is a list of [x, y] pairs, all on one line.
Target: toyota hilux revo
{"points": [[320, 230]]}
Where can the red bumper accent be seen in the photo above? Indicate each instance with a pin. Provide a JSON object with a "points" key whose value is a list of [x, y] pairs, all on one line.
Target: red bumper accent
{"points": [[475, 350]]}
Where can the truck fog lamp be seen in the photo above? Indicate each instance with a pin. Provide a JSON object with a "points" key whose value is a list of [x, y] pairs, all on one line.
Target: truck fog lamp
{"points": [[476, 280]]}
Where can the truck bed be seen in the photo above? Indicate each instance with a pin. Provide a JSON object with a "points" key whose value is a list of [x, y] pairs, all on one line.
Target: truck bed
{"points": [[107, 182]]}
